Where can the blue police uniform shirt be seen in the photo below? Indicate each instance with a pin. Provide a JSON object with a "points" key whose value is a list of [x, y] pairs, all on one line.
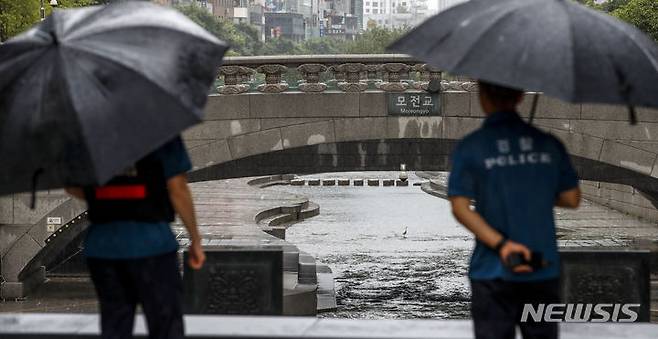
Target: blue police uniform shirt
{"points": [[130, 239], [514, 172]]}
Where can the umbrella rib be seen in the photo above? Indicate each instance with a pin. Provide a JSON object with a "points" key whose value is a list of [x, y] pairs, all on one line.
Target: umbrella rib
{"points": [[572, 34], [127, 67], [178, 102], [477, 40]]}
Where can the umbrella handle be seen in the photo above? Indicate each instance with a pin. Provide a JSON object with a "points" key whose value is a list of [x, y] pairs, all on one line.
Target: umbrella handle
{"points": [[533, 108], [632, 117], [35, 181]]}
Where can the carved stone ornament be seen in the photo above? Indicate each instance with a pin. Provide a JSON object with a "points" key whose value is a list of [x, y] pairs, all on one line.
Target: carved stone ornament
{"points": [[393, 73], [273, 74], [234, 80], [459, 86], [373, 74], [353, 81], [311, 75]]}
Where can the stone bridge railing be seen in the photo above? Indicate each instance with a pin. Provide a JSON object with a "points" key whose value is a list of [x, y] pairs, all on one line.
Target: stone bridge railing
{"points": [[318, 73]]}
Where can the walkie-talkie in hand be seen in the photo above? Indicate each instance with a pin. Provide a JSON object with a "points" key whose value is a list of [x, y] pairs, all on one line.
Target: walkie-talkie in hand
{"points": [[536, 261]]}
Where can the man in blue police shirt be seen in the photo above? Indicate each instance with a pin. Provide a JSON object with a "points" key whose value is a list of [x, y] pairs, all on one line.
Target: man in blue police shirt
{"points": [[130, 248], [515, 174]]}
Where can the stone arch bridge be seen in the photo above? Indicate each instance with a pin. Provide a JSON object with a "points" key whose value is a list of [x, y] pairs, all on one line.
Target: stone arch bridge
{"points": [[330, 113]]}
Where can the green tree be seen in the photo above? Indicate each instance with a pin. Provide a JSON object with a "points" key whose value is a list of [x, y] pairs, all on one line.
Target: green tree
{"points": [[607, 6], [279, 46], [374, 40], [16, 16], [641, 13], [222, 29], [324, 45]]}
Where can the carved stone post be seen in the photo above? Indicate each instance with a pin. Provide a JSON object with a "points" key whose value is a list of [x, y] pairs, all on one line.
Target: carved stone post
{"points": [[246, 74], [352, 73], [427, 74], [311, 75], [393, 72], [233, 80], [338, 75], [373, 74], [273, 75]]}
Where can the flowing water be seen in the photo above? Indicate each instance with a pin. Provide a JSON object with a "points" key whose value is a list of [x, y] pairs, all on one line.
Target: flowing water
{"points": [[379, 271]]}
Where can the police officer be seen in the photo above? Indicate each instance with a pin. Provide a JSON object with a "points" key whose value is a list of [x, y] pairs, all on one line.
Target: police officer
{"points": [[130, 248], [514, 174]]}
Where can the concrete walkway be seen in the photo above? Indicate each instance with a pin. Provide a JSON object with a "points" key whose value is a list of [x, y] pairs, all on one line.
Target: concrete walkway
{"points": [[215, 327], [231, 213]]}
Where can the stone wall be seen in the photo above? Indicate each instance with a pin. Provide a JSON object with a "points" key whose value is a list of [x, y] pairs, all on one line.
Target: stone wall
{"points": [[256, 131], [623, 198]]}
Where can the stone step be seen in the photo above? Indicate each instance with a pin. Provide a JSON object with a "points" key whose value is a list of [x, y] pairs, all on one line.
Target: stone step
{"points": [[310, 211], [307, 269], [326, 289], [328, 182]]}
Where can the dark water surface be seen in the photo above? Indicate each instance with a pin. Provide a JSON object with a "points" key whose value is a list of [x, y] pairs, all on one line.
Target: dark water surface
{"points": [[379, 272]]}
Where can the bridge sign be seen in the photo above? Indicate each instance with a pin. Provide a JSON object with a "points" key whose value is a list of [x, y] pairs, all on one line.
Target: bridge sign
{"points": [[413, 104]]}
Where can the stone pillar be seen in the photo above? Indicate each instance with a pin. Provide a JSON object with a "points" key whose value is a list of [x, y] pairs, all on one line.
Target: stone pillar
{"points": [[273, 76], [233, 80], [23, 234], [236, 281], [353, 81], [394, 72], [606, 276], [311, 75]]}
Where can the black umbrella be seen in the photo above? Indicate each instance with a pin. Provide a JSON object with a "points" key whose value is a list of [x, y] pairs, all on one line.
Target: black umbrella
{"points": [[558, 47], [90, 91]]}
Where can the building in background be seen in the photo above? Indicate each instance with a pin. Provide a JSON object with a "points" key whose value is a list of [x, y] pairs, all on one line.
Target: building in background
{"points": [[356, 9], [284, 25], [394, 13], [257, 17], [339, 21], [445, 4]]}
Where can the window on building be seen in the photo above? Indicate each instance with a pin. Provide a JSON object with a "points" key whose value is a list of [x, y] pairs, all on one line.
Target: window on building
{"points": [[375, 4], [367, 3], [375, 11], [367, 10]]}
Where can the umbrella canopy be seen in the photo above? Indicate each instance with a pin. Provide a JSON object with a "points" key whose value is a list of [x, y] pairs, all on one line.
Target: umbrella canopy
{"points": [[558, 47], [90, 91]]}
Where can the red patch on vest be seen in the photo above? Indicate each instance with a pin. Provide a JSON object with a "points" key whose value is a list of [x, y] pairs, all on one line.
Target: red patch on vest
{"points": [[121, 192]]}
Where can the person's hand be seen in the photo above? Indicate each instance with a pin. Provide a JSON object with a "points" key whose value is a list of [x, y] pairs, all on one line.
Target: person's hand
{"points": [[514, 247], [196, 256]]}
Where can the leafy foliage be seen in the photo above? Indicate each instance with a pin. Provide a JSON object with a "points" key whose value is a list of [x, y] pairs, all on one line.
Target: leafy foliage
{"points": [[17, 16], [641, 13]]}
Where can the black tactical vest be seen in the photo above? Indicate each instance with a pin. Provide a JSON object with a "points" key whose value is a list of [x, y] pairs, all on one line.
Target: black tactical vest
{"points": [[140, 194]]}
